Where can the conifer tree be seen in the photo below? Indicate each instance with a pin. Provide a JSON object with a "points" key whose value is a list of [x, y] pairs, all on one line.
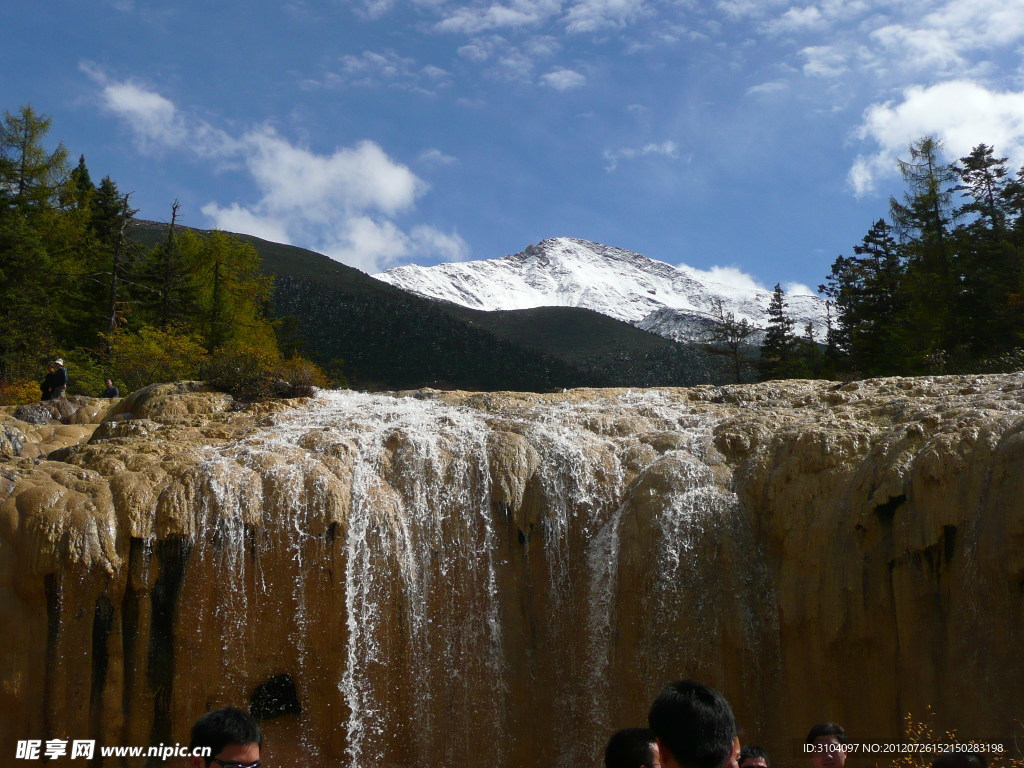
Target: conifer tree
{"points": [[778, 347], [867, 292], [922, 220], [989, 262], [232, 294], [168, 296], [36, 242]]}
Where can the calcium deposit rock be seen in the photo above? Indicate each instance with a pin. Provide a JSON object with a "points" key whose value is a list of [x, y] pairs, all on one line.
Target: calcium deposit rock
{"points": [[428, 571]]}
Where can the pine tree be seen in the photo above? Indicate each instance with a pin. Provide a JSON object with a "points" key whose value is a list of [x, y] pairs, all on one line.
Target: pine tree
{"points": [[36, 243], [988, 259], [868, 296], [78, 192], [232, 294], [30, 176], [167, 298], [777, 349], [931, 282]]}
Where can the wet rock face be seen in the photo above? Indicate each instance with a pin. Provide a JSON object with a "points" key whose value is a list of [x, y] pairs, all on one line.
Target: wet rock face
{"points": [[391, 578]]}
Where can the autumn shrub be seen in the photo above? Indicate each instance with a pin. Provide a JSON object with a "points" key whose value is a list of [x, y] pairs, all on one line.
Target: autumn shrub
{"points": [[927, 736], [151, 355], [246, 373], [19, 392], [251, 374], [303, 376]]}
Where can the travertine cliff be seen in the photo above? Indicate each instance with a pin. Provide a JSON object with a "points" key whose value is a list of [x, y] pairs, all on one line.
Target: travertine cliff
{"points": [[514, 575]]}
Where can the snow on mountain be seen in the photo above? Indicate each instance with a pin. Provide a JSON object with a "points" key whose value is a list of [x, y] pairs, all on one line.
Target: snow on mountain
{"points": [[671, 301]]}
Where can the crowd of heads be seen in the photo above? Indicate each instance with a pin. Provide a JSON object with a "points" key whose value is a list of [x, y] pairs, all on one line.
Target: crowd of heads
{"points": [[692, 726]]}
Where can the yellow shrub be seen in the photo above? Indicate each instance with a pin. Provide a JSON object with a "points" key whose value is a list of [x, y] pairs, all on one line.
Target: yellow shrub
{"points": [[925, 733], [19, 392]]}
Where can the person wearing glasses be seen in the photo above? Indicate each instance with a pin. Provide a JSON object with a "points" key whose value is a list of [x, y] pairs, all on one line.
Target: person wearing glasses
{"points": [[231, 735], [632, 748], [694, 726]]}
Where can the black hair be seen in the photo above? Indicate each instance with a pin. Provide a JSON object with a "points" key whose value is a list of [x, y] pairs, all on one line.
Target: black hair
{"points": [[826, 729], [960, 760], [694, 723], [751, 751], [225, 726], [630, 748]]}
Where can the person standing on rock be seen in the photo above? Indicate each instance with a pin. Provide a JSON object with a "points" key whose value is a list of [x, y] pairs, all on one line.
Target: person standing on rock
{"points": [[230, 735], [694, 726], [46, 385], [111, 390], [632, 748], [56, 381]]}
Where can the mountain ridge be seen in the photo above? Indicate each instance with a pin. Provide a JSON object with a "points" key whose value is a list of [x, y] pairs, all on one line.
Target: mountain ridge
{"points": [[390, 338], [626, 285]]}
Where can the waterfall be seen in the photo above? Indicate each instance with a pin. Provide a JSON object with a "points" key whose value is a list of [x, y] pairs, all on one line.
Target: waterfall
{"points": [[432, 564], [427, 579]]}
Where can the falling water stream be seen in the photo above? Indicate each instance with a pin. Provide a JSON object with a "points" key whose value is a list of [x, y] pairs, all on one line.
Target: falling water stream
{"points": [[463, 619]]}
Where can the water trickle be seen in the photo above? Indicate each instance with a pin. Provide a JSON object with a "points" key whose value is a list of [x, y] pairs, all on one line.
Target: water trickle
{"points": [[390, 502]]}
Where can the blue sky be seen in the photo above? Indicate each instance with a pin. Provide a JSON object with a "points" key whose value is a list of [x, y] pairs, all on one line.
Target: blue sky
{"points": [[755, 136]]}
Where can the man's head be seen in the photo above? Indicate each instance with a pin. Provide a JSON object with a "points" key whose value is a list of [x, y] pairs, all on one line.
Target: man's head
{"points": [[632, 748], [694, 726], [754, 757], [59, 363], [960, 760], [232, 736], [829, 742]]}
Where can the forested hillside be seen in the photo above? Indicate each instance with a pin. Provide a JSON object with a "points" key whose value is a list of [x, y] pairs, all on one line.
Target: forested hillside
{"points": [[380, 336], [74, 285]]}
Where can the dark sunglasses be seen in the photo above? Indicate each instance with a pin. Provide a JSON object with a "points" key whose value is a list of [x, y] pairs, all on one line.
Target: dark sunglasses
{"points": [[230, 764]]}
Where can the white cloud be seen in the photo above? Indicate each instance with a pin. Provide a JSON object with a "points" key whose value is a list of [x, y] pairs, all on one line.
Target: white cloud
{"points": [[595, 15], [962, 113], [921, 47], [235, 218], [152, 117], [373, 69], [665, 149], [824, 61], [737, 279], [563, 79], [367, 243], [343, 203], [740, 9], [797, 20], [507, 61], [766, 89], [730, 276], [954, 31], [433, 243], [435, 157], [471, 19], [374, 9], [798, 289], [155, 121], [351, 179]]}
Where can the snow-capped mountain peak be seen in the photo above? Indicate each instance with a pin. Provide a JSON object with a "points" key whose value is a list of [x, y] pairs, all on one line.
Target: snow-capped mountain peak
{"points": [[565, 271]]}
